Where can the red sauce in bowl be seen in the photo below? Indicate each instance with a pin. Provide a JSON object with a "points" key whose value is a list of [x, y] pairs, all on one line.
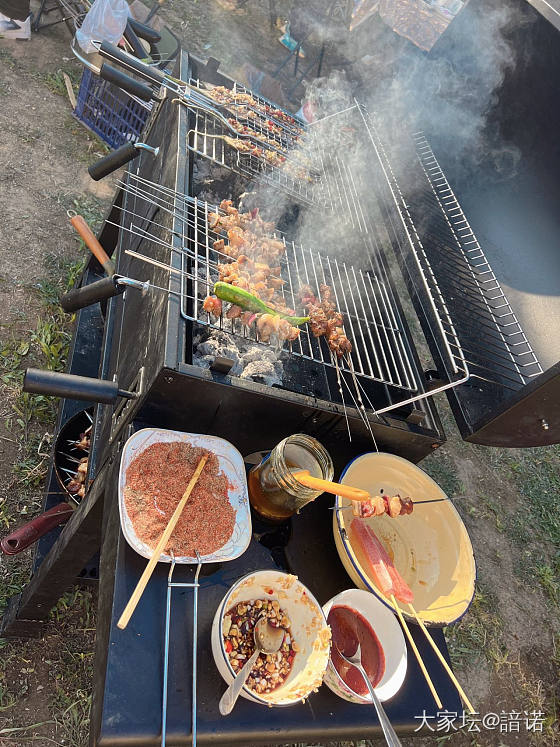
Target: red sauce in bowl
{"points": [[348, 628]]}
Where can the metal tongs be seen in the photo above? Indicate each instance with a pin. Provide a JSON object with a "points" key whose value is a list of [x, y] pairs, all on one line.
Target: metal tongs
{"points": [[170, 586]]}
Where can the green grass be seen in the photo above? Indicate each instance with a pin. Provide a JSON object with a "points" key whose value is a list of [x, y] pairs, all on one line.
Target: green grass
{"points": [[70, 702], [61, 274], [55, 81], [534, 527], [489, 509], [53, 341], [91, 209], [7, 59], [12, 584], [46, 346], [477, 634], [441, 468], [549, 579]]}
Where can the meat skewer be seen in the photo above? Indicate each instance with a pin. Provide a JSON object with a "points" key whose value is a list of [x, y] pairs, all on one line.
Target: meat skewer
{"points": [[254, 268], [241, 100], [393, 506], [325, 319]]}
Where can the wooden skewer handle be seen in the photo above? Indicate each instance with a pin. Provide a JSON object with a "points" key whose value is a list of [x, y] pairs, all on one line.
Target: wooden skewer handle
{"points": [[145, 577], [441, 657], [336, 488], [93, 244], [417, 653]]}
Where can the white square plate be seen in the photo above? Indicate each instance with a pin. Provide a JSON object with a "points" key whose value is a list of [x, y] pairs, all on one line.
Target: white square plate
{"points": [[231, 464]]}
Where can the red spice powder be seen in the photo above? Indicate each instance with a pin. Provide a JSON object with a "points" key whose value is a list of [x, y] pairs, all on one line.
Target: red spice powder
{"points": [[155, 481]]}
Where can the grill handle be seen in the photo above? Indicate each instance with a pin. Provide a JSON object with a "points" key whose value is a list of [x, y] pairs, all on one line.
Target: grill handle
{"points": [[87, 295], [131, 37], [124, 81], [144, 32], [131, 64], [116, 159], [69, 386], [29, 533]]}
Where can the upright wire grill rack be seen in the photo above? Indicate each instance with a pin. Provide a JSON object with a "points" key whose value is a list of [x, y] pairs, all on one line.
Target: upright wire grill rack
{"points": [[371, 321], [470, 281]]}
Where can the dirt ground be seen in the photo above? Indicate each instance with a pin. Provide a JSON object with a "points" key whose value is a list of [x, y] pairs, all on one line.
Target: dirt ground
{"points": [[505, 651]]}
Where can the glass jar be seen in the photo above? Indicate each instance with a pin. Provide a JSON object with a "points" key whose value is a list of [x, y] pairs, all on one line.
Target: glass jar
{"points": [[274, 492]]}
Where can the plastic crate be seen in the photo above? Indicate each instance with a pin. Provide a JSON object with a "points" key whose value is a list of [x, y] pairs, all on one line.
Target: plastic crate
{"points": [[109, 111]]}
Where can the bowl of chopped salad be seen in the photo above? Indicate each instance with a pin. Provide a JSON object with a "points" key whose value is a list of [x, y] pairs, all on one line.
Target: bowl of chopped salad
{"points": [[297, 669]]}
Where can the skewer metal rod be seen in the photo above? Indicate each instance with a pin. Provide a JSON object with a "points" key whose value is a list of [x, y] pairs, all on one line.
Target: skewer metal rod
{"points": [[166, 653], [164, 266], [67, 456], [195, 650]]}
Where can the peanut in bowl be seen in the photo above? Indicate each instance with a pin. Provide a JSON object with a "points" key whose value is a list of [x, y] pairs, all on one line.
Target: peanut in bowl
{"points": [[297, 670]]}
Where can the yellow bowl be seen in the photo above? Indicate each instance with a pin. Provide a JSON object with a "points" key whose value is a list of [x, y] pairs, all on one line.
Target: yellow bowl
{"points": [[430, 547]]}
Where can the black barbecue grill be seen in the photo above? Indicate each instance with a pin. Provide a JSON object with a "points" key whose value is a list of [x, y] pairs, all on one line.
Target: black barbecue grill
{"points": [[369, 194], [482, 357], [405, 240]]}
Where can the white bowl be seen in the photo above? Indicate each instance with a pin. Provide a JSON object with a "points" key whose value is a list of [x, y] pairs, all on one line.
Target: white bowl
{"points": [[390, 635], [308, 629]]}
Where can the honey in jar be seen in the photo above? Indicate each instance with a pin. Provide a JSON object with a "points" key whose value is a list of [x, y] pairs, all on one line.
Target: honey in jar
{"points": [[274, 492]]}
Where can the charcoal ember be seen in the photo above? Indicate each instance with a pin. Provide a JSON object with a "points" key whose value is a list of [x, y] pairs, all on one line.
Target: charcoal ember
{"points": [[257, 353], [215, 347], [251, 361], [263, 371], [206, 361]]}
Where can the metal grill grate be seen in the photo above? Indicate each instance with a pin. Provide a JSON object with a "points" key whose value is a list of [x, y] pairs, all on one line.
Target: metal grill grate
{"points": [[494, 345], [371, 320], [206, 138], [357, 173], [441, 313], [257, 116], [371, 323]]}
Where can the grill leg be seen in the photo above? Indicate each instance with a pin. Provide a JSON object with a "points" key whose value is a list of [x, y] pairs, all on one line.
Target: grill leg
{"points": [[318, 61]]}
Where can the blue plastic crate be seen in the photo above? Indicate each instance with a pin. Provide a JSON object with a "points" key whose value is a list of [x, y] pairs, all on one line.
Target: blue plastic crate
{"points": [[109, 111]]}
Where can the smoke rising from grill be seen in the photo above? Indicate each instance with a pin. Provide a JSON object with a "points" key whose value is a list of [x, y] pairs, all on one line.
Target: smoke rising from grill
{"points": [[449, 93]]}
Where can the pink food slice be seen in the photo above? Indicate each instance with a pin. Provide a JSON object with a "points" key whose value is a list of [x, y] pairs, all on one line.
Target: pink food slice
{"points": [[380, 565]]}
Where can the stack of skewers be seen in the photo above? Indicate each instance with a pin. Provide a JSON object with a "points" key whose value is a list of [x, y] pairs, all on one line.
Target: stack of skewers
{"points": [[75, 480]]}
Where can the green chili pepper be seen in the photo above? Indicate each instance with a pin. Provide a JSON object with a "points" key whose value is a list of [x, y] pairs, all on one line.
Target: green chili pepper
{"points": [[248, 302]]}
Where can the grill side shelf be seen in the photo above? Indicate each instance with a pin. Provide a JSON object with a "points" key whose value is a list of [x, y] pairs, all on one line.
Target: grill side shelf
{"points": [[469, 324]]}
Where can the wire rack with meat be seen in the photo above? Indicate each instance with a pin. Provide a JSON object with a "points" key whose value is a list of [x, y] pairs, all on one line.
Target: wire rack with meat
{"points": [[242, 100], [297, 156], [270, 158], [255, 266]]}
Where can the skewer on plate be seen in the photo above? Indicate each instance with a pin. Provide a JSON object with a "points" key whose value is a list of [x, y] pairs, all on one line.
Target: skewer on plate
{"points": [[416, 652]]}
